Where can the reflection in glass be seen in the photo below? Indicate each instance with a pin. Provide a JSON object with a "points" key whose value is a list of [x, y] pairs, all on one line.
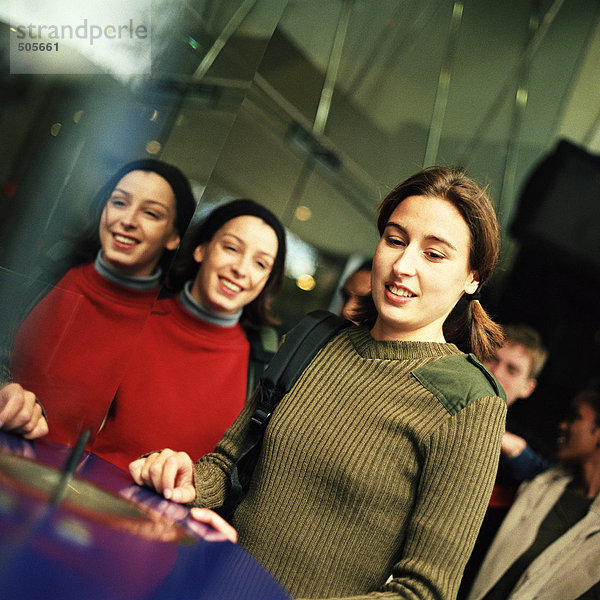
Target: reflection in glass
{"points": [[72, 132]]}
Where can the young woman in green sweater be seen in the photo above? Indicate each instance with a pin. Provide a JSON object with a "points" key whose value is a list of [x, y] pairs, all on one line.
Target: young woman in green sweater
{"points": [[377, 466]]}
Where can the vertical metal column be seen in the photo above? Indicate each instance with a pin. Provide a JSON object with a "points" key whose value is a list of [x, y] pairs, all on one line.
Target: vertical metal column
{"points": [[232, 26], [470, 147], [511, 157], [322, 113], [332, 68], [443, 88]]}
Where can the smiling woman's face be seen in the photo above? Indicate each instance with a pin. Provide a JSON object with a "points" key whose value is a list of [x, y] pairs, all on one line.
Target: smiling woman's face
{"points": [[420, 269], [235, 265], [579, 434], [138, 223]]}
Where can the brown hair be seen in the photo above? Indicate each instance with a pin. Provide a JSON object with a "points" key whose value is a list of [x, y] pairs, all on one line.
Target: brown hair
{"points": [[531, 340], [468, 326], [591, 396]]}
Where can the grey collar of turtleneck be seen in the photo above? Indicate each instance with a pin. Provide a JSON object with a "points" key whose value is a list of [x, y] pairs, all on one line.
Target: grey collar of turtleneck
{"points": [[195, 308], [129, 281]]}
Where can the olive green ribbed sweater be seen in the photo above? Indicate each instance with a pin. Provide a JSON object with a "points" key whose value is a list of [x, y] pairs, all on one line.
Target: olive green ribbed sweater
{"points": [[365, 473]]}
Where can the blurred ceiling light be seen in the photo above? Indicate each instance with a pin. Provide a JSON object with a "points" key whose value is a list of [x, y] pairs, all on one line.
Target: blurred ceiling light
{"points": [[303, 213], [306, 282], [301, 258], [153, 147], [55, 129], [154, 115], [77, 116]]}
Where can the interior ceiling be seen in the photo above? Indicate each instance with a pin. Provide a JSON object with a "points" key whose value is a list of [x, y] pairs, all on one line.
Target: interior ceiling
{"points": [[393, 86], [393, 56], [349, 97]]}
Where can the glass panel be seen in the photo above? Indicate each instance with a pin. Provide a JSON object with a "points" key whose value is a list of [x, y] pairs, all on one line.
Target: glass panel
{"points": [[68, 134]]}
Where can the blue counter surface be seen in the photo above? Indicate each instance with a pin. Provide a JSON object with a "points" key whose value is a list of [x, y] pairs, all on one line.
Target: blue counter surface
{"points": [[97, 535]]}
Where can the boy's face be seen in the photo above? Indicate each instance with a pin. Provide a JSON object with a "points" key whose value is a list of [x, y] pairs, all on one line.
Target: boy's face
{"points": [[512, 368]]}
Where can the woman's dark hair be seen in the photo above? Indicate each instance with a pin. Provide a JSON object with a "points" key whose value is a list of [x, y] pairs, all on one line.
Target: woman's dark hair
{"points": [[185, 268], [468, 326], [591, 396], [185, 205], [366, 265]]}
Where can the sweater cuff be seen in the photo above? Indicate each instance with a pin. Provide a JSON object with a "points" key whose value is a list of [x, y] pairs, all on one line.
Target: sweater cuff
{"points": [[528, 464]]}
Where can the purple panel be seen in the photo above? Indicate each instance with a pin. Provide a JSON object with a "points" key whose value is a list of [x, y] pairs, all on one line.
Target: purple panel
{"points": [[108, 538]]}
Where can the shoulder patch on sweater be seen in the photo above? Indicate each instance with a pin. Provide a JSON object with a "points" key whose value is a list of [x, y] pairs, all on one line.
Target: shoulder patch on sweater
{"points": [[458, 380]]}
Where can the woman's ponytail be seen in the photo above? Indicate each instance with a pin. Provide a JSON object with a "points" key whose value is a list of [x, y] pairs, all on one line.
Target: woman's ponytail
{"points": [[473, 330], [486, 336]]}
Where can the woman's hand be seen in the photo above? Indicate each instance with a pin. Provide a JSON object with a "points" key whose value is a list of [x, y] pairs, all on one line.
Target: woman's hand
{"points": [[512, 445], [209, 517], [21, 413], [169, 473]]}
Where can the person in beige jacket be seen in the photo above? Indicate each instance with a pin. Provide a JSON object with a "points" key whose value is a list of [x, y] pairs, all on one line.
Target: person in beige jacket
{"points": [[548, 547]]}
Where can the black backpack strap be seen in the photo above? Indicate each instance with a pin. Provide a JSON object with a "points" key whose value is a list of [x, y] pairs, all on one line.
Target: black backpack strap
{"points": [[300, 346], [264, 342]]}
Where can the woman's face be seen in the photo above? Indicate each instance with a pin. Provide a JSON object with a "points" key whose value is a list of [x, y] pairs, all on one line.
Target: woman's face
{"points": [[420, 270], [138, 223], [235, 265], [579, 436]]}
